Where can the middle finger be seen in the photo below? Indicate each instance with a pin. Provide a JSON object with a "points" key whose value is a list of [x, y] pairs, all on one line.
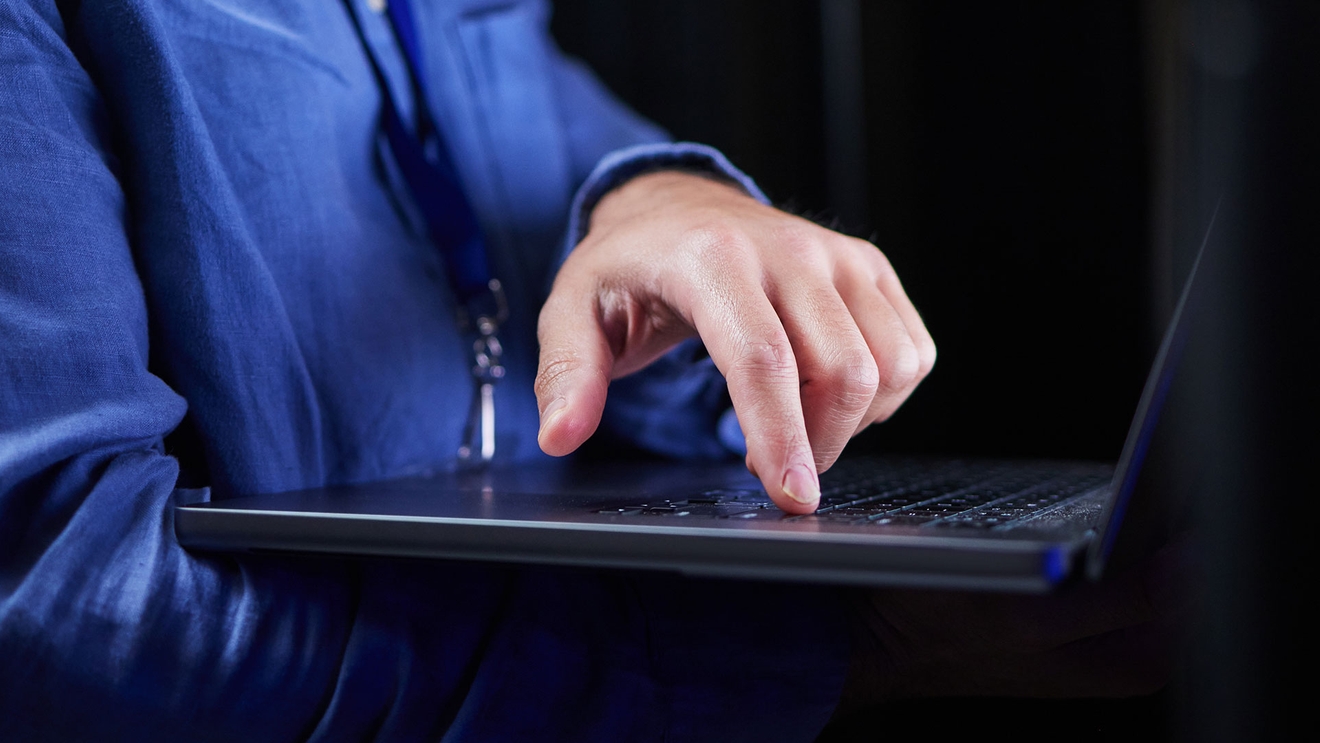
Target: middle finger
{"points": [[890, 344], [836, 368]]}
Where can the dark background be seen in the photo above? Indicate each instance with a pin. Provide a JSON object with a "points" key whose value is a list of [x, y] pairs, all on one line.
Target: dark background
{"points": [[1040, 174], [995, 152]]}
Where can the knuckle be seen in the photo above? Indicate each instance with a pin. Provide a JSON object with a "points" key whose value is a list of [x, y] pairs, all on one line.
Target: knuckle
{"points": [[798, 241], [853, 377], [901, 368], [926, 356], [715, 239], [879, 261], [866, 248], [554, 369], [769, 356]]}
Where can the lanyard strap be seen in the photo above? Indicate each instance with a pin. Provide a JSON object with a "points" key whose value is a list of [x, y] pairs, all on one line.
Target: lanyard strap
{"points": [[424, 162]]}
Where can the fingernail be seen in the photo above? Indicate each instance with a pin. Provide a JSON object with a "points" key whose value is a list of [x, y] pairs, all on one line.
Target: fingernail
{"points": [[552, 411], [800, 485]]}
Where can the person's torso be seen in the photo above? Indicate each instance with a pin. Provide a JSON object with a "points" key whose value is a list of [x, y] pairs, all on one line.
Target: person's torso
{"points": [[295, 300]]}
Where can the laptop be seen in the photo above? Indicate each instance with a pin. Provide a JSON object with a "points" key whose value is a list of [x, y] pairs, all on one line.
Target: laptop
{"points": [[915, 522]]}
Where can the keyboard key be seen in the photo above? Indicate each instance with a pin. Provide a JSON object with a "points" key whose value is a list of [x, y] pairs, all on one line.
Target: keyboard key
{"points": [[963, 495], [903, 519], [620, 511], [963, 524]]}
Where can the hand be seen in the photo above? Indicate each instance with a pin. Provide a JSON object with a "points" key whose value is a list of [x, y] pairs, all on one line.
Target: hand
{"points": [[811, 328], [1106, 639]]}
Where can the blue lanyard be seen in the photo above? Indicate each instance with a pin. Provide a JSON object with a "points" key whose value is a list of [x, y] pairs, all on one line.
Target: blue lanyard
{"points": [[430, 174], [424, 162]]}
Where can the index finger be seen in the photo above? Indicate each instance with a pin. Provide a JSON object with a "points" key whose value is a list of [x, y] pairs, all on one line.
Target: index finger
{"points": [[749, 345]]}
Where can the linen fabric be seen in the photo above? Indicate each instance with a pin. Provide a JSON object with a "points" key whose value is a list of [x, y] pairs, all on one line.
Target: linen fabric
{"points": [[212, 276]]}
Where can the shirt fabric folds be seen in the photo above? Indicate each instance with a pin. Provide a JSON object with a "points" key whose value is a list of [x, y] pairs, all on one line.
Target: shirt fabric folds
{"points": [[211, 274]]}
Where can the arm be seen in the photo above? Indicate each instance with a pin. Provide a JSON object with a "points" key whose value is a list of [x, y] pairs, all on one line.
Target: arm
{"points": [[107, 627], [108, 630]]}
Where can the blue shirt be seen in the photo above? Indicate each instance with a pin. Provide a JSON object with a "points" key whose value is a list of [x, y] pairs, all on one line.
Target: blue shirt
{"points": [[212, 274]]}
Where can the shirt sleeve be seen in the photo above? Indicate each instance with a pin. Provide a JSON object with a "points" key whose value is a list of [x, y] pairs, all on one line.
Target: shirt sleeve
{"points": [[110, 631]]}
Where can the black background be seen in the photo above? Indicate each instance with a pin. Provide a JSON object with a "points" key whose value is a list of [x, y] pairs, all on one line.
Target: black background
{"points": [[1005, 176]]}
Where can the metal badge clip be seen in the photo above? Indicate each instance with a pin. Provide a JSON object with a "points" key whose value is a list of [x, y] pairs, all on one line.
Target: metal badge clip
{"points": [[487, 369]]}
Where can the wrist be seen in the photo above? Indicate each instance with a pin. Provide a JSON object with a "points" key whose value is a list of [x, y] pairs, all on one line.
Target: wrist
{"points": [[620, 166], [660, 185]]}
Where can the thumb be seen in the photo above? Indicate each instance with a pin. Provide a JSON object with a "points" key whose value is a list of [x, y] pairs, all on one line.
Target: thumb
{"points": [[574, 371]]}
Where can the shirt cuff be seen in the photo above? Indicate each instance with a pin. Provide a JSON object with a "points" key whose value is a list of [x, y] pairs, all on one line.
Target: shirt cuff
{"points": [[620, 166]]}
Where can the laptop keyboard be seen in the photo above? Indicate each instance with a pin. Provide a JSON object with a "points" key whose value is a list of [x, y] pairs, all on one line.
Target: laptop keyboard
{"points": [[961, 495]]}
